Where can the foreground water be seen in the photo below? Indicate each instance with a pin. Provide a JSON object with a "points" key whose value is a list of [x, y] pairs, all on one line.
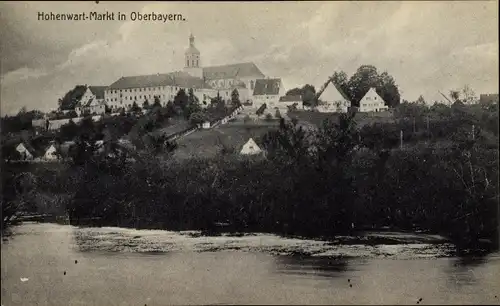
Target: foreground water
{"points": [[48, 264]]}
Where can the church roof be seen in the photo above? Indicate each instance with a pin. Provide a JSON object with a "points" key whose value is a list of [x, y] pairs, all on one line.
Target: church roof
{"points": [[192, 50], [267, 87], [98, 91], [232, 71], [178, 78]]}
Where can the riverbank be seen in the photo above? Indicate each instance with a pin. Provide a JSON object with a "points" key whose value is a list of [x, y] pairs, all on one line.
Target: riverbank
{"points": [[367, 245]]}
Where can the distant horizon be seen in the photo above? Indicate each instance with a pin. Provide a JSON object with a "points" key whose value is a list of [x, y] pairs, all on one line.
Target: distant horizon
{"points": [[424, 52]]}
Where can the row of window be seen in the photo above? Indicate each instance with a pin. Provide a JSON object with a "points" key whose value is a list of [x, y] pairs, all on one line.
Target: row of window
{"points": [[146, 89]]}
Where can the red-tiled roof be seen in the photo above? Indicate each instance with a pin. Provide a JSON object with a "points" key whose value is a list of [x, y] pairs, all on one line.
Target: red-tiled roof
{"points": [[232, 71]]}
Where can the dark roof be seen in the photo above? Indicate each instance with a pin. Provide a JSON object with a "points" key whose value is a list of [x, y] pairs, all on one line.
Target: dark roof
{"points": [[178, 78], [98, 91], [488, 98], [291, 98], [99, 102], [267, 87], [341, 91], [232, 71]]}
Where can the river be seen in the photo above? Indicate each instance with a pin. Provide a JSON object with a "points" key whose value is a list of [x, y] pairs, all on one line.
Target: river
{"points": [[49, 264]]}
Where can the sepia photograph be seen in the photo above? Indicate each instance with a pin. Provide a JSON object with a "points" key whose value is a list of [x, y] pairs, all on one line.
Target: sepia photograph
{"points": [[279, 152]]}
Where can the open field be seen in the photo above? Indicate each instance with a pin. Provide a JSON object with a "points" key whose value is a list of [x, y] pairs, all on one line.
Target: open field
{"points": [[174, 125], [209, 143]]}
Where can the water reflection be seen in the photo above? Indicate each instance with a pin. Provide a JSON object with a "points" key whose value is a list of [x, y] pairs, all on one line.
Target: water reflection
{"points": [[307, 266]]}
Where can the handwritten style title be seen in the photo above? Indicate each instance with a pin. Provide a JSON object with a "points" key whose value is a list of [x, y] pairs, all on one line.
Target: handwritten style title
{"points": [[109, 16]]}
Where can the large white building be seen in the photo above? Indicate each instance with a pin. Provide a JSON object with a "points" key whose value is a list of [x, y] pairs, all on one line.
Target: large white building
{"points": [[206, 82]]}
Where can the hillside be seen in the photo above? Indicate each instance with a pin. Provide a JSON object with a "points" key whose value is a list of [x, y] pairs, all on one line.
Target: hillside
{"points": [[211, 142]]}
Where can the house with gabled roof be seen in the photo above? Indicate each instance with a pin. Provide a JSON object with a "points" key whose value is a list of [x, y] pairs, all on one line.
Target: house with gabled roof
{"points": [[51, 153], [250, 148], [333, 100], [372, 102], [25, 151], [92, 101], [268, 91]]}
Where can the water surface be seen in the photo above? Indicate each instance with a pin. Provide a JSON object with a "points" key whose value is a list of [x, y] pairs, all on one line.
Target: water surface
{"points": [[129, 267]]}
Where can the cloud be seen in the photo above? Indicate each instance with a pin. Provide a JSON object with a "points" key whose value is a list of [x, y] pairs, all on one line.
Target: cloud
{"points": [[21, 75]]}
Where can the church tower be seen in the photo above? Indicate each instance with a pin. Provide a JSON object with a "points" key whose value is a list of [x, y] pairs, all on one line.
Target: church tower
{"points": [[192, 60]]}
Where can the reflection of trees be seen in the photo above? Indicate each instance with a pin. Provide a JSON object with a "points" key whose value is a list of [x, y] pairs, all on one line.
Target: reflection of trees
{"points": [[318, 266], [462, 271]]}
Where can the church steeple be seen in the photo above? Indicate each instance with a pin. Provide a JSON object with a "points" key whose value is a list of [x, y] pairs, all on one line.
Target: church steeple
{"points": [[191, 40], [192, 59]]}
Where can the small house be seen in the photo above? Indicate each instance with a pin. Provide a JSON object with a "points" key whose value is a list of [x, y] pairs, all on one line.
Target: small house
{"points": [[250, 148], [92, 101], [333, 100], [26, 154], [51, 153], [372, 102], [205, 125]]}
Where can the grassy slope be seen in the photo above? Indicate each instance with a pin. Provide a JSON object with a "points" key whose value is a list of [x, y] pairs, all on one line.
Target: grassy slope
{"points": [[208, 143]]}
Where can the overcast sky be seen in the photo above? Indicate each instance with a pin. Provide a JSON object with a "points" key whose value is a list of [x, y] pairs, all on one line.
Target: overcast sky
{"points": [[426, 46]]}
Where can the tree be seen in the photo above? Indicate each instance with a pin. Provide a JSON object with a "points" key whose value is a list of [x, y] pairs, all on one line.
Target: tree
{"points": [[156, 102], [468, 95], [294, 92], [420, 100], [145, 104], [135, 108], [388, 90], [309, 95], [181, 99], [235, 98], [277, 114], [193, 104], [340, 79], [367, 77], [197, 118], [170, 109], [107, 109], [269, 117], [261, 110]]}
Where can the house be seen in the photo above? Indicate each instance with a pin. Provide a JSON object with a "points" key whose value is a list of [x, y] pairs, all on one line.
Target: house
{"points": [[286, 102], [51, 153], [92, 101], [488, 98], [26, 154], [333, 100], [268, 91], [372, 102], [205, 125], [250, 148]]}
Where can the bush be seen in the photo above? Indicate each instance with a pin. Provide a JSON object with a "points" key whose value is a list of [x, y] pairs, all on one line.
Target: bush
{"points": [[326, 176]]}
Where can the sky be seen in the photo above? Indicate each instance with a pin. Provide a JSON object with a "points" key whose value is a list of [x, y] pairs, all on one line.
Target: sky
{"points": [[427, 46]]}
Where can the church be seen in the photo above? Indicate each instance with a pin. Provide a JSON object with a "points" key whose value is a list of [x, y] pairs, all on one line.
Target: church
{"points": [[206, 82]]}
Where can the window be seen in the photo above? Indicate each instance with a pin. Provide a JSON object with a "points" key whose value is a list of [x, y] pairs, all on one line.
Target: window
{"points": [[251, 85], [187, 63]]}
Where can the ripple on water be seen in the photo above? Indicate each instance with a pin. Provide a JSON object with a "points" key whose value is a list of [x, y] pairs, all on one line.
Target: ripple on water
{"points": [[143, 241]]}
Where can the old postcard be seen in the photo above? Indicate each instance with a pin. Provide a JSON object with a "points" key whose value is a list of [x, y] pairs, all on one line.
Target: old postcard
{"points": [[165, 153]]}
